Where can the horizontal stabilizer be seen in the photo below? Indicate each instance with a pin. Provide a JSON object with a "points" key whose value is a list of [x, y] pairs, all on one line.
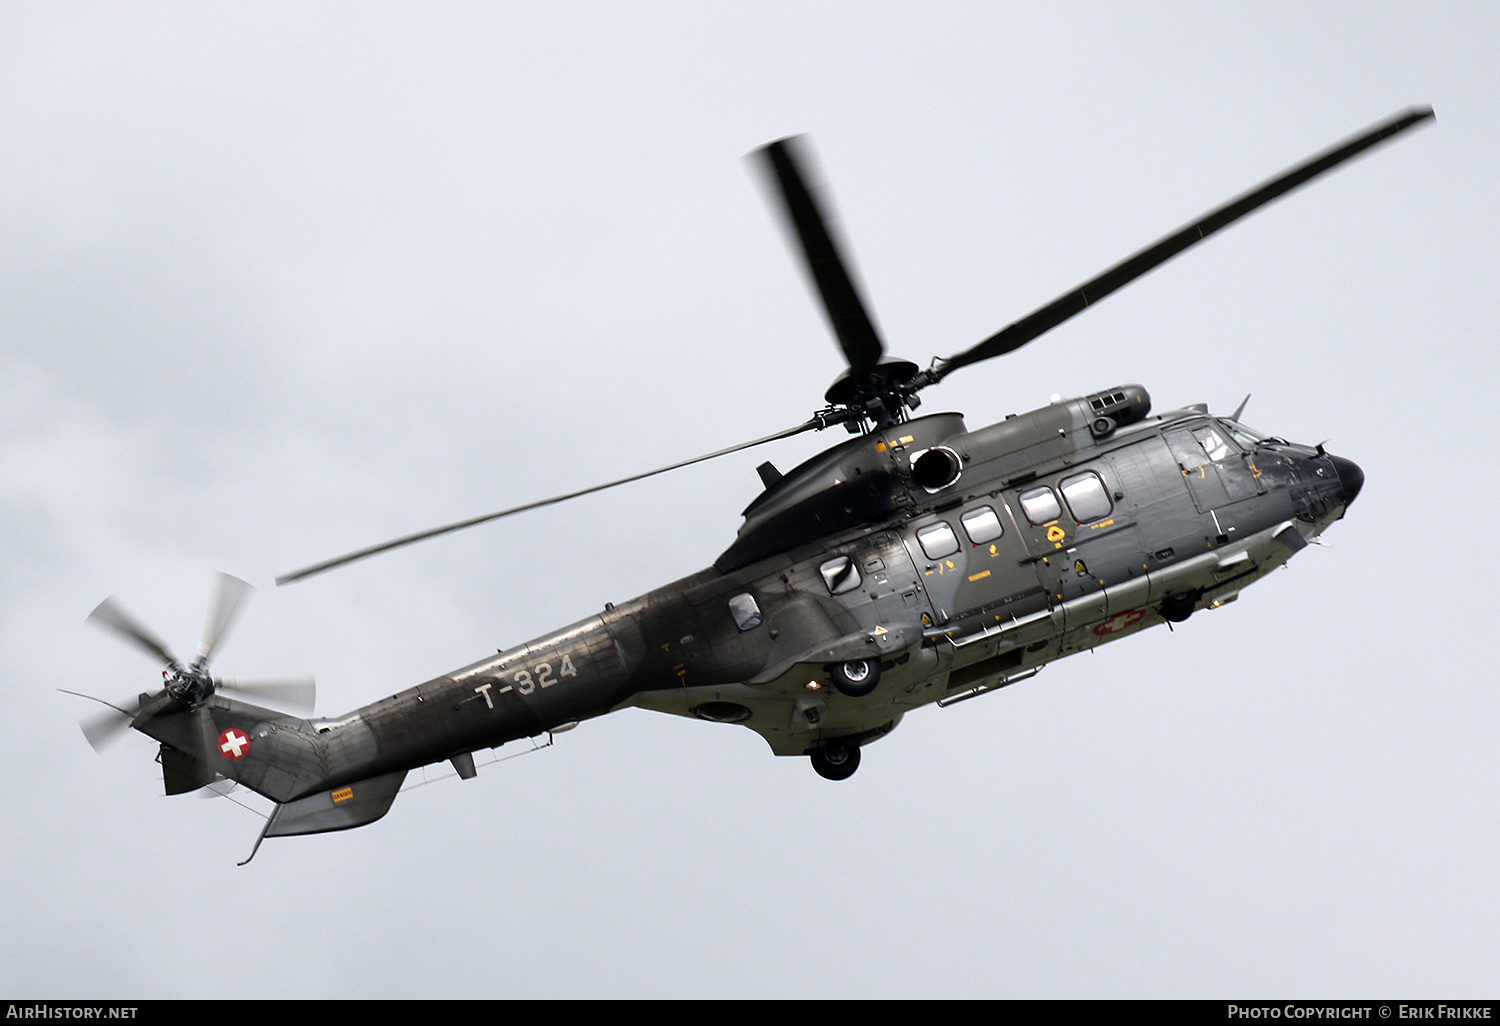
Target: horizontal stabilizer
{"points": [[351, 805]]}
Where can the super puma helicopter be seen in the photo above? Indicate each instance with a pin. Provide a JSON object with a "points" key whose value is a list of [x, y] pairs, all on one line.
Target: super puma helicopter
{"points": [[917, 562]]}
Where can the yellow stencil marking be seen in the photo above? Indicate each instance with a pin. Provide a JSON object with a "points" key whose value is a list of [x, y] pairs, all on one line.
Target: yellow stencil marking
{"points": [[979, 576], [343, 794]]}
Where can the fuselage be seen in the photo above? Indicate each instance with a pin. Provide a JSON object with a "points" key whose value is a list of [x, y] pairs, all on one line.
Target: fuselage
{"points": [[947, 561], [1048, 540]]}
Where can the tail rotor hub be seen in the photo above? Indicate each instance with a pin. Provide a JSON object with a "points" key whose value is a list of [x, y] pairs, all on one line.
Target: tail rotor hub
{"points": [[190, 685]]}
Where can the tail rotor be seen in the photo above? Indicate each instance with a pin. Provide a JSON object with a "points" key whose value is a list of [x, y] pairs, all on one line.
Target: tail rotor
{"points": [[187, 685], [104, 729]]}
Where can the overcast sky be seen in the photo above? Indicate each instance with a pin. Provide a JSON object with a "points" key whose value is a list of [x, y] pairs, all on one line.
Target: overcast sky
{"points": [[281, 280]]}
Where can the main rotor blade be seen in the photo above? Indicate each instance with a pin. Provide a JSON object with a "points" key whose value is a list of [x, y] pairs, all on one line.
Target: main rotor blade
{"points": [[846, 311], [329, 564], [298, 692], [111, 615], [1060, 309], [231, 594]]}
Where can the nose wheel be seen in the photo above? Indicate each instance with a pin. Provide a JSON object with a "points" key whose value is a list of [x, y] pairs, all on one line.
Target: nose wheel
{"points": [[835, 761]]}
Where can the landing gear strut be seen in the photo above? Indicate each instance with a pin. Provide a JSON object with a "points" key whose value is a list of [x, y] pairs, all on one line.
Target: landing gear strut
{"points": [[836, 761]]}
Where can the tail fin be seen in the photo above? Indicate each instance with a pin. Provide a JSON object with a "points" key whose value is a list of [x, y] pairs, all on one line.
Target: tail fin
{"points": [[181, 772], [271, 753], [281, 757]]}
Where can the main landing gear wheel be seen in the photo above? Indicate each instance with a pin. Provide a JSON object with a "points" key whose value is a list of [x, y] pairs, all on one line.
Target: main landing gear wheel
{"points": [[856, 677], [836, 761], [1177, 608]]}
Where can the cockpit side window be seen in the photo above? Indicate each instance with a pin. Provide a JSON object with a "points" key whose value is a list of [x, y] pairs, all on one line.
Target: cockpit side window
{"points": [[1215, 442], [1185, 449]]}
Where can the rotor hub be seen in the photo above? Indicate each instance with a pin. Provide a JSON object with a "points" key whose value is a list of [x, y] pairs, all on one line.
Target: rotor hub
{"points": [[883, 394], [189, 685]]}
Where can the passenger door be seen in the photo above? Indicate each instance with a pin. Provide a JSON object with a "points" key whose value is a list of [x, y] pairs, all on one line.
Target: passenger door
{"points": [[1078, 539]]}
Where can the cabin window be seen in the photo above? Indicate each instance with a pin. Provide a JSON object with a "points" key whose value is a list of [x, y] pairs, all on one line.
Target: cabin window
{"points": [[1086, 497], [1040, 506], [937, 540], [982, 525], [840, 575], [745, 611]]}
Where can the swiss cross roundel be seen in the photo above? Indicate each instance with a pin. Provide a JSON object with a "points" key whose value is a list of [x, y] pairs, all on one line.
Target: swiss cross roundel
{"points": [[234, 744], [1120, 622]]}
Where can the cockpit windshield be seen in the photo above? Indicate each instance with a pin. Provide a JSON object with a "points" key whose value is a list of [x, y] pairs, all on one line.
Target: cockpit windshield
{"points": [[1247, 437]]}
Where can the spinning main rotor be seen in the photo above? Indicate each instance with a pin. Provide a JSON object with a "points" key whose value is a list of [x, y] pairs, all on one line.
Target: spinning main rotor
{"points": [[878, 389]]}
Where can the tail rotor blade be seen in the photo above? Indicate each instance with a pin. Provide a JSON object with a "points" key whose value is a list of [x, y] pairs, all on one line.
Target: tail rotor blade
{"points": [[296, 692], [231, 595], [112, 616], [104, 730]]}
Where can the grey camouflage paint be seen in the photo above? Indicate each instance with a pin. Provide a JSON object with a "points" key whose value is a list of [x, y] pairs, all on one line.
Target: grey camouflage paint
{"points": [[1182, 528]]}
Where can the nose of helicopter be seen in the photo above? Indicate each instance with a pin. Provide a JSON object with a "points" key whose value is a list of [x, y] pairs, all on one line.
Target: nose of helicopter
{"points": [[1351, 478]]}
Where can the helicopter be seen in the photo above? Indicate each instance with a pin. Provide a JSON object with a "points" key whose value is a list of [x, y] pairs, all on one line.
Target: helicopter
{"points": [[917, 562]]}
